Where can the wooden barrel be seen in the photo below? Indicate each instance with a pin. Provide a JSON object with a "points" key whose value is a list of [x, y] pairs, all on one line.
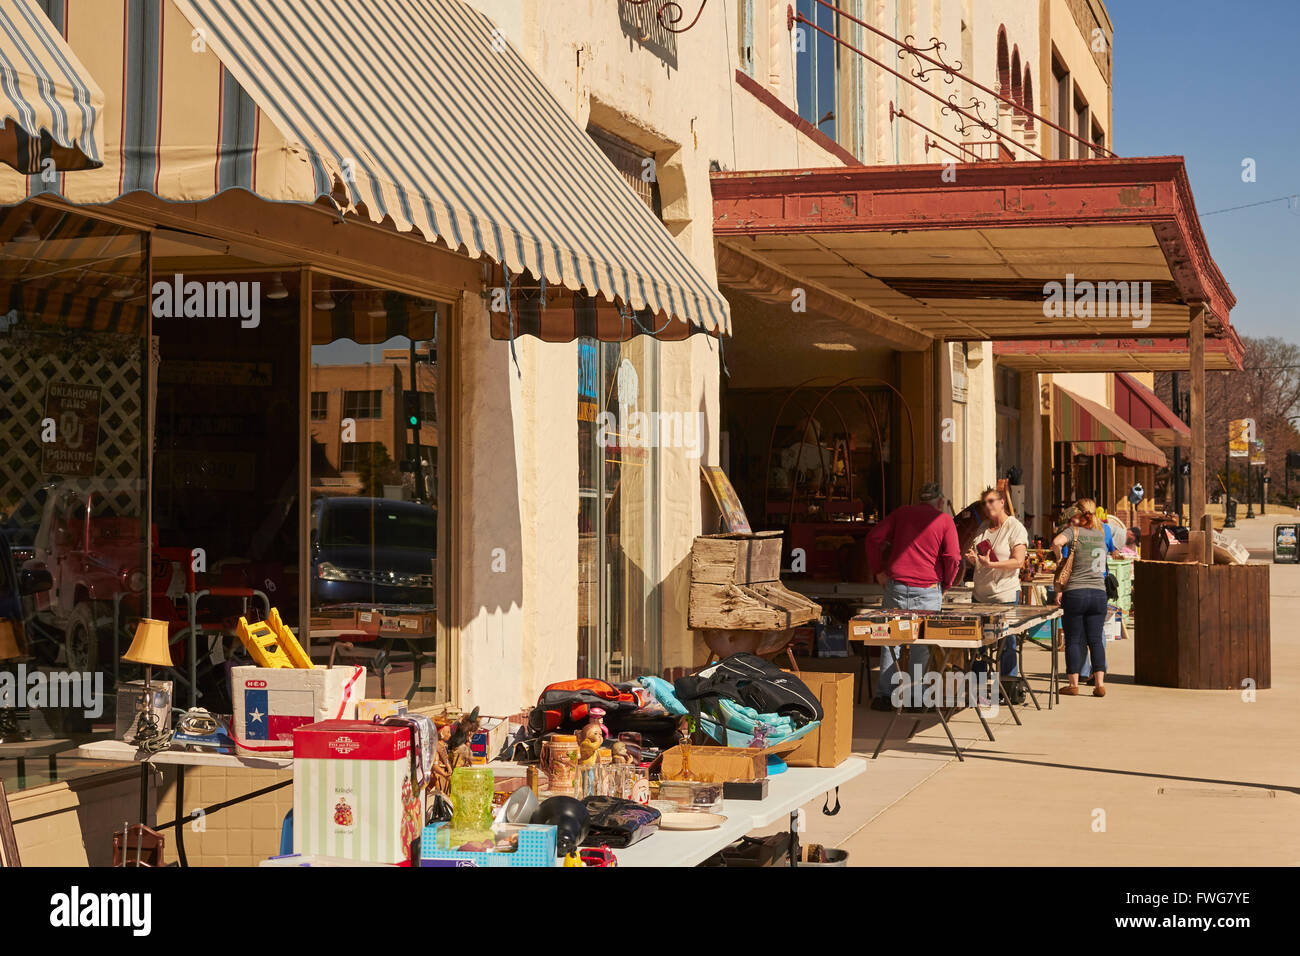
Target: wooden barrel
{"points": [[1201, 627]]}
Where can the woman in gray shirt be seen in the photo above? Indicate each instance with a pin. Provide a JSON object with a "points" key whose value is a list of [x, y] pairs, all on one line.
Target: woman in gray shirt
{"points": [[1083, 599]]}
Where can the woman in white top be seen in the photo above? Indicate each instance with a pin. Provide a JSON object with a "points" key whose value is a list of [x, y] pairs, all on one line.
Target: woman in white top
{"points": [[998, 554]]}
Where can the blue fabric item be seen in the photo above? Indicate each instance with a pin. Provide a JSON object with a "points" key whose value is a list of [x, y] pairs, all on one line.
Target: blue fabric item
{"points": [[664, 693]]}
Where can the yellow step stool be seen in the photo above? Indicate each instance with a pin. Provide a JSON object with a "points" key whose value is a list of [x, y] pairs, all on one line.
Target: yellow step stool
{"points": [[271, 644]]}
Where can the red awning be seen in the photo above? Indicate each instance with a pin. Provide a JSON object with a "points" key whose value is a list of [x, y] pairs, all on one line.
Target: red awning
{"points": [[991, 255], [1143, 409], [1093, 429]]}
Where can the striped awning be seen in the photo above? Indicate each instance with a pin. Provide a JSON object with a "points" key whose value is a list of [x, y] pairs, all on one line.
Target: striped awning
{"points": [[417, 114], [50, 108], [1093, 429]]}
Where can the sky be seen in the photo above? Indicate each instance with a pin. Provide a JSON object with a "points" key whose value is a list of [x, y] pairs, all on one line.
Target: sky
{"points": [[1215, 82]]}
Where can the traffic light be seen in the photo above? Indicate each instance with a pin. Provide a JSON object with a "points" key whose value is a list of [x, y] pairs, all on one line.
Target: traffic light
{"points": [[412, 401]]}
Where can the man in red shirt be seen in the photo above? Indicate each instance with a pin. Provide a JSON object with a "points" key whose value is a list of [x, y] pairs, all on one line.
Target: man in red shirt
{"points": [[923, 560]]}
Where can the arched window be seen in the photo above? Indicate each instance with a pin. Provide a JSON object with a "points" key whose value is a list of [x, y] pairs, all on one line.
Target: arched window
{"points": [[1004, 64], [1028, 93], [1016, 92]]}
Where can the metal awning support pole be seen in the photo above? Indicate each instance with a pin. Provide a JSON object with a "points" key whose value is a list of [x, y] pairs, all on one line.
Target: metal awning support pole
{"points": [[1196, 351]]}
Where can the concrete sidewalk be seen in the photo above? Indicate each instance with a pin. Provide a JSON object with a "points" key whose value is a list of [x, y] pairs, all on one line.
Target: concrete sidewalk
{"points": [[1143, 776]]}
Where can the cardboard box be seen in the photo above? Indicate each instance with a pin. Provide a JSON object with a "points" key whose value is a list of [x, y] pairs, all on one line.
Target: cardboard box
{"points": [[270, 702], [372, 710], [953, 629], [716, 764], [831, 743], [488, 740], [353, 796], [877, 627]]}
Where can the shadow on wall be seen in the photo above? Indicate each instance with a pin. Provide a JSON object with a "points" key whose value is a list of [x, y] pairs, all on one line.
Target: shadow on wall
{"points": [[490, 545], [641, 26]]}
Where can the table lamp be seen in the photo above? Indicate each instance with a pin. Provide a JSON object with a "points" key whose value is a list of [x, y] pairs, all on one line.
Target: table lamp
{"points": [[149, 647], [9, 651]]}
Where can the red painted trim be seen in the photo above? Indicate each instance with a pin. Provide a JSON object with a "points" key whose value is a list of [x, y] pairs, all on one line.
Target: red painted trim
{"points": [[1229, 343], [773, 102], [1150, 191]]}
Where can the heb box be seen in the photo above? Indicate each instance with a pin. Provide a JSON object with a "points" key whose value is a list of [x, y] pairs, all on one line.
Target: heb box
{"points": [[881, 627], [488, 740], [353, 796], [269, 702], [954, 629], [831, 743]]}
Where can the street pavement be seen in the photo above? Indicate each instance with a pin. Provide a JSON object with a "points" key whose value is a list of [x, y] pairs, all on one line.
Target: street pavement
{"points": [[1144, 776]]}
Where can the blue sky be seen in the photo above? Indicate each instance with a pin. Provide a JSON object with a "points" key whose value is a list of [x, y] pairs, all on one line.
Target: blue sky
{"points": [[1216, 82]]}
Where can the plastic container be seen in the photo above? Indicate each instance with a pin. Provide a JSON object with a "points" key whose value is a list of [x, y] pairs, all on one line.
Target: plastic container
{"points": [[834, 857]]}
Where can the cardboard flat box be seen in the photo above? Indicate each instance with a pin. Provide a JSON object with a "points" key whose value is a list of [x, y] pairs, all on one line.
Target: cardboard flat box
{"points": [[716, 764], [831, 743], [953, 629], [876, 627]]}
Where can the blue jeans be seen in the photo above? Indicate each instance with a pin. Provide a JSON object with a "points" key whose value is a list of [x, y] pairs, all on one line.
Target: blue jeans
{"points": [[906, 598], [1009, 664], [1084, 624]]}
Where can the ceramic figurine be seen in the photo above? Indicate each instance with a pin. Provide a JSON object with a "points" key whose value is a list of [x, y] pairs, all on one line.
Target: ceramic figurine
{"points": [[596, 718], [441, 772], [458, 742], [589, 744], [620, 754]]}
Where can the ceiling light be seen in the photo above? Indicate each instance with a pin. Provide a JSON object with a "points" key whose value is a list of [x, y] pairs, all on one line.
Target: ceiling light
{"points": [[27, 232], [275, 289], [322, 301], [123, 290], [375, 306], [835, 346]]}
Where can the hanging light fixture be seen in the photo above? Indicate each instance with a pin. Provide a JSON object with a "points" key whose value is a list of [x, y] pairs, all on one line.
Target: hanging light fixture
{"points": [[375, 306], [275, 289], [123, 290], [322, 301], [27, 232]]}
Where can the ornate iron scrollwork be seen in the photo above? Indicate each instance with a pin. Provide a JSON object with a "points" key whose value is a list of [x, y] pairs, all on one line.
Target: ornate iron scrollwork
{"points": [[969, 116], [670, 13], [937, 63]]}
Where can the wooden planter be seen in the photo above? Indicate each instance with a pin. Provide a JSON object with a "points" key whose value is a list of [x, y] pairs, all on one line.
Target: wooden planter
{"points": [[736, 584], [1201, 627]]}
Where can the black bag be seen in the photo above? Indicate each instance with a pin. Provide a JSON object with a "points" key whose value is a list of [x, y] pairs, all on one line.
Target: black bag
{"points": [[1112, 587], [754, 682], [618, 823]]}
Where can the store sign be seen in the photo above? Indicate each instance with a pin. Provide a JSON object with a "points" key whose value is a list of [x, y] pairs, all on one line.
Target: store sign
{"points": [[1241, 431], [74, 411]]}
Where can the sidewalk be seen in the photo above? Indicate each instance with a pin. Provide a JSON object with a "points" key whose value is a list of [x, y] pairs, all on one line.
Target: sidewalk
{"points": [[1144, 776]]}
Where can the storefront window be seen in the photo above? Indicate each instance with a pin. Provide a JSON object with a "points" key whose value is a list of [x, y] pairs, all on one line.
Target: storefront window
{"points": [[375, 437], [618, 510], [74, 514]]}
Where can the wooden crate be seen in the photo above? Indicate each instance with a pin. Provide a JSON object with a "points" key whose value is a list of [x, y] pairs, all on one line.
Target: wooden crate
{"points": [[1201, 627], [735, 585]]}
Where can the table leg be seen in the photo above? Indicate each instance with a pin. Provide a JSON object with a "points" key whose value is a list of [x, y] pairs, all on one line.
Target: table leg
{"points": [[1020, 656], [1002, 684], [180, 815], [893, 716], [794, 837], [144, 793], [948, 730], [1054, 693]]}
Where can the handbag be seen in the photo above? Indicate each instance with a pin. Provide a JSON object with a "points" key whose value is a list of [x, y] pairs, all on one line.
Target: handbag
{"points": [[618, 823], [1066, 566], [1112, 587]]}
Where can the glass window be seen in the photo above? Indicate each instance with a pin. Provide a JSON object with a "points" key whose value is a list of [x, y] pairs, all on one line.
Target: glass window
{"points": [[375, 570], [618, 483], [816, 63], [746, 35], [74, 480], [319, 405], [363, 404]]}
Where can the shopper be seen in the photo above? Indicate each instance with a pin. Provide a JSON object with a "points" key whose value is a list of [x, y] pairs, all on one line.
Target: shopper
{"points": [[997, 554], [1083, 598], [915, 557]]}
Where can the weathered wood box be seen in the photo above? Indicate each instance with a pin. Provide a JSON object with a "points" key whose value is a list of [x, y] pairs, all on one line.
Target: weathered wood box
{"points": [[736, 584], [1201, 626]]}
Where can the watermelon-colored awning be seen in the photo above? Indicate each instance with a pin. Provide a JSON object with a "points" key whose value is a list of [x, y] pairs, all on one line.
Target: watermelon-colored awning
{"points": [[1093, 429]]}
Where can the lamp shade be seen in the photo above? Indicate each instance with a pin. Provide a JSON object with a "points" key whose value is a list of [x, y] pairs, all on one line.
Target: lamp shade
{"points": [[9, 649], [149, 646]]}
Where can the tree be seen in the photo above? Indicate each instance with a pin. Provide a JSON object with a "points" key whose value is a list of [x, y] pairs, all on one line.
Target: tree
{"points": [[1266, 389]]}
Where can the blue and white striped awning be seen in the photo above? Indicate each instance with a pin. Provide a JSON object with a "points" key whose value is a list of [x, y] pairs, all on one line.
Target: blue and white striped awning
{"points": [[420, 112], [50, 108]]}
